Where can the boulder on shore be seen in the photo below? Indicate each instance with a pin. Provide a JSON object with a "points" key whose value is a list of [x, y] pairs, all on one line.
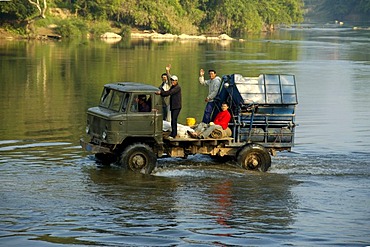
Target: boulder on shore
{"points": [[225, 37], [196, 37], [110, 35], [110, 38]]}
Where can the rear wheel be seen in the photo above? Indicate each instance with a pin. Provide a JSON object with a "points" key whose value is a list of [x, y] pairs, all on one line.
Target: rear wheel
{"points": [[138, 157], [254, 157]]}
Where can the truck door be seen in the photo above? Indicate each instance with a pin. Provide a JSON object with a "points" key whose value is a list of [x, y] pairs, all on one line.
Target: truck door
{"points": [[141, 118]]}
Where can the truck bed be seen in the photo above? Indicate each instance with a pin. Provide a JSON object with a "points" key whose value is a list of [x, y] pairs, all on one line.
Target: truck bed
{"points": [[190, 139]]}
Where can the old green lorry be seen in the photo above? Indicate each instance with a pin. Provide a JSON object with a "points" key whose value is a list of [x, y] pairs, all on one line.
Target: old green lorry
{"points": [[263, 122]]}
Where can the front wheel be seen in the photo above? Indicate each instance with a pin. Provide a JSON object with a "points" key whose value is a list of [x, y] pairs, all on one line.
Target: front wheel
{"points": [[138, 157], [254, 157]]}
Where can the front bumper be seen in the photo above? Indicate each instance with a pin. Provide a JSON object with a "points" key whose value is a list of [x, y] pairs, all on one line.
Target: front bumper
{"points": [[93, 148]]}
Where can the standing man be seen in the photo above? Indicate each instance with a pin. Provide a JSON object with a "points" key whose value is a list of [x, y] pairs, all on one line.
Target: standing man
{"points": [[214, 84], [165, 86], [175, 103]]}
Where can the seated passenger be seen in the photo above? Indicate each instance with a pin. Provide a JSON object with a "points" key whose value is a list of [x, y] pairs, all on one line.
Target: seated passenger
{"points": [[143, 104], [221, 121]]}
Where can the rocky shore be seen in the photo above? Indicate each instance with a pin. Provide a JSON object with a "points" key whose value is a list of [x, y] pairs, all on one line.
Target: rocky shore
{"points": [[48, 33], [157, 36]]}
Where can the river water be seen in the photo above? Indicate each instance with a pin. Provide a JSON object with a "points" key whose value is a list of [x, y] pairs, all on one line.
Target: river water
{"points": [[54, 194]]}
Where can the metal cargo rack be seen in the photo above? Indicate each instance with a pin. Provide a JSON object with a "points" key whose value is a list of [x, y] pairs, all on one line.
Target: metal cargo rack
{"points": [[263, 108]]}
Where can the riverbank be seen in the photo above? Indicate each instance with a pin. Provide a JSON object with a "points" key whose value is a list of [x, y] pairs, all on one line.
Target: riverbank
{"points": [[158, 36], [48, 33], [4, 34]]}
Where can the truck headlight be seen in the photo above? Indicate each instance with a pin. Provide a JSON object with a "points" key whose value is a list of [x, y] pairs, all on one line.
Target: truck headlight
{"points": [[104, 134], [87, 129]]}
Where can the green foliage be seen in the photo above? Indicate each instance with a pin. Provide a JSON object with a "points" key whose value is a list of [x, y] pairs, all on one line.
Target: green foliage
{"points": [[236, 17], [49, 20], [174, 16], [15, 30], [15, 10], [99, 27], [223, 18], [125, 31], [184, 16], [280, 12], [72, 28]]}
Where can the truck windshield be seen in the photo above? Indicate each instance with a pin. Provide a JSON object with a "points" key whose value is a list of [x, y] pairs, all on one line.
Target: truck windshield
{"points": [[114, 100]]}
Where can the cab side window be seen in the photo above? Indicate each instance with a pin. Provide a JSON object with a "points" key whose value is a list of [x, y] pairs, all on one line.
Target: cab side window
{"points": [[141, 103]]}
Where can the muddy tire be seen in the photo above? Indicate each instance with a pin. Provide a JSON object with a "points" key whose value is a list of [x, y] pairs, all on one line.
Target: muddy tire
{"points": [[138, 157], [254, 157]]}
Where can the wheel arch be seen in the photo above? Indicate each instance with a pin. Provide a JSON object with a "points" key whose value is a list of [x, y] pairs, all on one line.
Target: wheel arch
{"points": [[150, 141]]}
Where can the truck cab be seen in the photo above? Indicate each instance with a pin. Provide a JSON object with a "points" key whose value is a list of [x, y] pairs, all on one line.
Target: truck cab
{"points": [[120, 119]]}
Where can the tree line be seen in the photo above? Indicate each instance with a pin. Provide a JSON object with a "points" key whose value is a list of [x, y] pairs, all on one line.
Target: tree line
{"points": [[233, 17], [173, 16]]}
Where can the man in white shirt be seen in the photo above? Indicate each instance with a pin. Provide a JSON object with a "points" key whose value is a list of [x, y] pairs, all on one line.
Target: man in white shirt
{"points": [[214, 84]]}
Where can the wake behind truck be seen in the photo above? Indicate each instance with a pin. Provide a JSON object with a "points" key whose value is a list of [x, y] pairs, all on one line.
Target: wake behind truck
{"points": [[263, 122]]}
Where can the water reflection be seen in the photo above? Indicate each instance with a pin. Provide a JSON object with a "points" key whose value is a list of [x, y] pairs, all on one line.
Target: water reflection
{"points": [[199, 206]]}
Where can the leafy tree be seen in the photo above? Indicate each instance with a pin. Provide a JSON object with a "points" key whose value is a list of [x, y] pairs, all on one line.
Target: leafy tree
{"points": [[237, 16], [280, 11], [19, 13], [231, 17], [15, 10]]}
